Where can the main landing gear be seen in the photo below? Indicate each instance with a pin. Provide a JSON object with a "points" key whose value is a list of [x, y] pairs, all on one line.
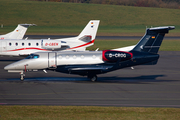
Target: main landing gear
{"points": [[93, 78], [22, 76]]}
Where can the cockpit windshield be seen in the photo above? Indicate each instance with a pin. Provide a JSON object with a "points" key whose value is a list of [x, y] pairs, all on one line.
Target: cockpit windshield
{"points": [[32, 56]]}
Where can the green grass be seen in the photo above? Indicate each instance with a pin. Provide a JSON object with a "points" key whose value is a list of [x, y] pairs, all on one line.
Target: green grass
{"points": [[70, 18], [167, 45], [170, 45], [87, 113]]}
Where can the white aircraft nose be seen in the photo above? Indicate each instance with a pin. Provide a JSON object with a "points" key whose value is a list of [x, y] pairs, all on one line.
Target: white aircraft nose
{"points": [[9, 67]]}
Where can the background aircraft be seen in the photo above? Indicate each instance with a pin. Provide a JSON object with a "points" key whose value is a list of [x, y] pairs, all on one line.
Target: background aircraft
{"points": [[22, 47], [91, 63], [18, 33]]}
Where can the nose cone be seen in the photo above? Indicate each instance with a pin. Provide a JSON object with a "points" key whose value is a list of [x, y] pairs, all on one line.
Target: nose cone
{"points": [[9, 67]]}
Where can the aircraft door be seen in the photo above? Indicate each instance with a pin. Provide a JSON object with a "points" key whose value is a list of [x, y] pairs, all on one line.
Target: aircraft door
{"points": [[52, 60], [3, 46]]}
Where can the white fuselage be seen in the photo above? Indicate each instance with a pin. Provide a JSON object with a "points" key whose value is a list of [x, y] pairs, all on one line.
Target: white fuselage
{"points": [[54, 59], [26, 47]]}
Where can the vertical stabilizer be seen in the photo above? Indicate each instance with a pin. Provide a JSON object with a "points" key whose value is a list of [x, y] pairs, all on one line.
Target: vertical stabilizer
{"points": [[89, 32], [18, 33], [152, 40]]}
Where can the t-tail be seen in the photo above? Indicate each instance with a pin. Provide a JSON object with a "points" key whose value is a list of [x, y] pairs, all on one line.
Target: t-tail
{"points": [[86, 38], [152, 40], [89, 32], [18, 33]]}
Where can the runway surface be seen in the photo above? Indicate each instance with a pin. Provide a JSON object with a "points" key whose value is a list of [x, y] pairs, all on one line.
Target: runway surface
{"points": [[145, 86]]}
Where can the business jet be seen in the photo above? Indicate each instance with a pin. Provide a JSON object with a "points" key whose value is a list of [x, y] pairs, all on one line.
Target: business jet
{"points": [[18, 33], [24, 47], [91, 63]]}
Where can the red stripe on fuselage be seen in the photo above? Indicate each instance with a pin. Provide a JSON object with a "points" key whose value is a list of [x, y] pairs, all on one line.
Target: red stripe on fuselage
{"points": [[82, 45], [31, 48]]}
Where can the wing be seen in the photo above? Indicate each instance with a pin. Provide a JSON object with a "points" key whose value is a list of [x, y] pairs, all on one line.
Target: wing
{"points": [[85, 70], [88, 69]]}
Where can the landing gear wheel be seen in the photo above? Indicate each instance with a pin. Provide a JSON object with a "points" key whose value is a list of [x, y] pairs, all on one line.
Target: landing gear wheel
{"points": [[93, 78], [22, 76]]}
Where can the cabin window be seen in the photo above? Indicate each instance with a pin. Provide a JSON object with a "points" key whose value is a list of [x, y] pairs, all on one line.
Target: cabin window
{"points": [[10, 44], [94, 56], [22, 44], [67, 56], [16, 44], [74, 57], [37, 44], [82, 56], [29, 44]]}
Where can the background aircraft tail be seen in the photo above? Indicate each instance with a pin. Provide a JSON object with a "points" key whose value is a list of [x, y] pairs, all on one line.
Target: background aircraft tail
{"points": [[18, 33], [89, 32], [152, 40]]}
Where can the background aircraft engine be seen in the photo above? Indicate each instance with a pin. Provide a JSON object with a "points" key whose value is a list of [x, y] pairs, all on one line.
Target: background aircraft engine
{"points": [[51, 44], [114, 56]]}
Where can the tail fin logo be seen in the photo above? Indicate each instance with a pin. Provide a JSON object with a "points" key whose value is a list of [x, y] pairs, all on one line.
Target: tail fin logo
{"points": [[92, 25]]}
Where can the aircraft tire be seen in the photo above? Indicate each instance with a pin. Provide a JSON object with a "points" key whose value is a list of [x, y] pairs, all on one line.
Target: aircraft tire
{"points": [[22, 77], [93, 78]]}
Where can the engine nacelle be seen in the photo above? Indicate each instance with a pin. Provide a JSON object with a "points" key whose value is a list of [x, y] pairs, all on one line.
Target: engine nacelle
{"points": [[51, 44], [114, 56]]}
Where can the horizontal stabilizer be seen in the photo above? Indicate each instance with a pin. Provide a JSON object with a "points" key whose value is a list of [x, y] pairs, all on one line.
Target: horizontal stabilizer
{"points": [[163, 29], [27, 25]]}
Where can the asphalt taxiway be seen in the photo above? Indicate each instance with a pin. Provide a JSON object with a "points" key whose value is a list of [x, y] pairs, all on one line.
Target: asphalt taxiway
{"points": [[145, 86]]}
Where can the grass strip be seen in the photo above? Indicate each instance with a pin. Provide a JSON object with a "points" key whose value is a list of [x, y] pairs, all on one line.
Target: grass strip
{"points": [[87, 112]]}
